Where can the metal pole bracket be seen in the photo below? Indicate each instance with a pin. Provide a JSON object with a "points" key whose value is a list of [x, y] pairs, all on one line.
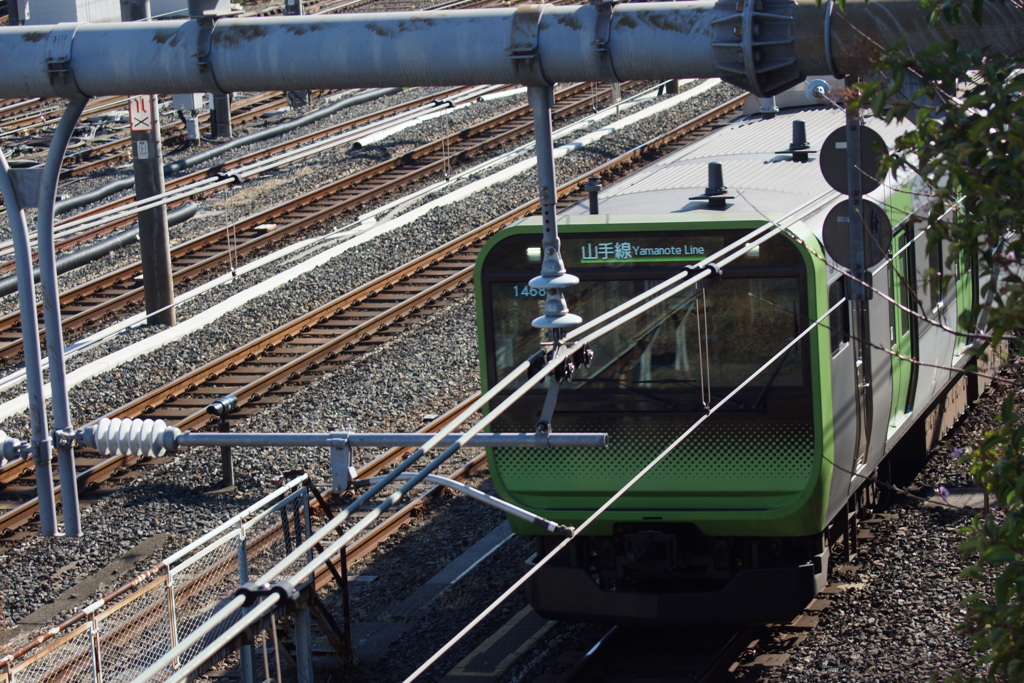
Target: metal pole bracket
{"points": [[602, 38], [753, 45], [343, 473], [204, 46], [26, 183], [58, 60], [523, 44]]}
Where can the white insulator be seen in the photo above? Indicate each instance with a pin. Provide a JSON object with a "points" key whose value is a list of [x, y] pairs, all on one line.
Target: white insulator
{"points": [[134, 437]]}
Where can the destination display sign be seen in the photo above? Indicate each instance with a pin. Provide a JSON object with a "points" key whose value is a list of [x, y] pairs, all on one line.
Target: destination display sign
{"points": [[632, 250]]}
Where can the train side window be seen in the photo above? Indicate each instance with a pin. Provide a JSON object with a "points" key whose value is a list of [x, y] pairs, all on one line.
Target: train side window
{"points": [[942, 277], [839, 319], [935, 275]]}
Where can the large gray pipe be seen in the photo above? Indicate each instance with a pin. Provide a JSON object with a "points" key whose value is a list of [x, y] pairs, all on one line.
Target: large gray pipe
{"points": [[763, 46]]}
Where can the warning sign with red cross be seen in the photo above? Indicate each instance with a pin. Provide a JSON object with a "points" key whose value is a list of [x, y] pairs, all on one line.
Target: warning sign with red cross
{"points": [[140, 112]]}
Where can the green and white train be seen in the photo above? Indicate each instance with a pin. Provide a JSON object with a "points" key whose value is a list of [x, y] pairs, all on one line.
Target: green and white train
{"points": [[734, 525]]}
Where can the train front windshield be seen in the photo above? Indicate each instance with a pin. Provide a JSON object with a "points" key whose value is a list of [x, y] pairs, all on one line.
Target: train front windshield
{"points": [[701, 342]]}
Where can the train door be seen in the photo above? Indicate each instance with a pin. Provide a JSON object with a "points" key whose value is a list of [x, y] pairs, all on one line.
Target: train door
{"points": [[966, 297], [902, 337]]}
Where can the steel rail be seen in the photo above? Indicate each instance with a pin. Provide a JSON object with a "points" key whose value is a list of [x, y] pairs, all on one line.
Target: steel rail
{"points": [[206, 254], [118, 150], [196, 184], [267, 369], [27, 115], [116, 147]]}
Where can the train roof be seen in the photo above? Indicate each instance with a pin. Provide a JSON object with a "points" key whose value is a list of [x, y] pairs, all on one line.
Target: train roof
{"points": [[759, 173]]}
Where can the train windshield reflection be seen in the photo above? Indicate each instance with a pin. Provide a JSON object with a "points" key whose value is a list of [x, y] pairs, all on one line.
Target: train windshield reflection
{"points": [[712, 335]]}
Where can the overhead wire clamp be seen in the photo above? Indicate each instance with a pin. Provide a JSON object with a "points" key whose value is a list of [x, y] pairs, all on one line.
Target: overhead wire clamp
{"points": [[254, 592], [233, 177]]}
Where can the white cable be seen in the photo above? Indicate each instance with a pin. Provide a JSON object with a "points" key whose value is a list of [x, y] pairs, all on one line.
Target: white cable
{"points": [[622, 491]]}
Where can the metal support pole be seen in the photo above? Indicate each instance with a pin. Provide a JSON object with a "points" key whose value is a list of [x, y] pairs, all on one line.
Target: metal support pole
{"points": [[593, 187], [246, 653], [247, 660], [861, 281], [97, 659], [220, 116], [172, 617], [51, 313], [41, 448], [16, 12], [154, 240], [303, 643], [147, 157], [552, 274], [227, 466], [296, 98]]}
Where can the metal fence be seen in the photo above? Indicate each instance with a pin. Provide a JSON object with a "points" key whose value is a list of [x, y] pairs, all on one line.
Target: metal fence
{"points": [[118, 637]]}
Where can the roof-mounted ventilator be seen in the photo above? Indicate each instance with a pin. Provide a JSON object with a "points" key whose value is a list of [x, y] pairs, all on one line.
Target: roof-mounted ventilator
{"points": [[592, 188], [799, 147], [715, 193]]}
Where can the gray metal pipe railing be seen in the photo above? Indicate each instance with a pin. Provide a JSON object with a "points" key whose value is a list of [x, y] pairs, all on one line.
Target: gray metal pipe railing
{"points": [[282, 589], [397, 440], [763, 47]]}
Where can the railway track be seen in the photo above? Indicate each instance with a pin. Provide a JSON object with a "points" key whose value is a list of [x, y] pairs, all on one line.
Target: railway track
{"points": [[118, 214], [116, 149], [22, 117], [215, 252], [282, 362], [109, 143]]}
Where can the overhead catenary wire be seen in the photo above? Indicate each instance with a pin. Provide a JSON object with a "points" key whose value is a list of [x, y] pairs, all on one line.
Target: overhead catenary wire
{"points": [[87, 222], [585, 336], [745, 245], [256, 613], [391, 215], [688, 280], [887, 262], [541, 562]]}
